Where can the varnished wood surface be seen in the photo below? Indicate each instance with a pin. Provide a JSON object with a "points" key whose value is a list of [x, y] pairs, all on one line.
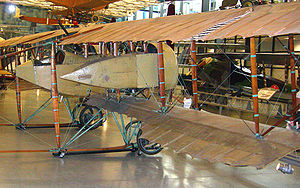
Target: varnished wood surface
{"points": [[205, 135]]}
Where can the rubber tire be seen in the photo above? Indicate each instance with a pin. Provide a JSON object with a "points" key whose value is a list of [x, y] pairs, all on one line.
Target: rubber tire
{"points": [[126, 128], [141, 146], [82, 120], [73, 111], [95, 18], [130, 123]]}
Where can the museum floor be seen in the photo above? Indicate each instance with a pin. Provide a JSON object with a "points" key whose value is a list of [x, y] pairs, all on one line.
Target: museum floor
{"points": [[166, 169]]}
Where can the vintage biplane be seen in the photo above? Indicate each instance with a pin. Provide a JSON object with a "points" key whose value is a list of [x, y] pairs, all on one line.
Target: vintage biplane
{"points": [[69, 12], [81, 11], [157, 124], [75, 12], [44, 21]]}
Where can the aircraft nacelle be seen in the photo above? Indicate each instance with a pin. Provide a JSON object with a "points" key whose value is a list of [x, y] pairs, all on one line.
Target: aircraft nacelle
{"points": [[77, 74]]}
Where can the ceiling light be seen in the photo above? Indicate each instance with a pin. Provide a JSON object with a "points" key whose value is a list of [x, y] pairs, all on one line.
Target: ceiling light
{"points": [[11, 8]]}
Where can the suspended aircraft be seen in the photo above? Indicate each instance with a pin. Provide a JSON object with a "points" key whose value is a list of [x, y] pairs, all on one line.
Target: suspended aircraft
{"points": [[84, 11], [163, 124], [244, 3], [71, 12], [81, 11], [44, 21]]}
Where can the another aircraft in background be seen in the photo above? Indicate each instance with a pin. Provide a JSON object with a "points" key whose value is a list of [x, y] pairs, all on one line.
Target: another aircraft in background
{"points": [[45, 21], [81, 11], [77, 11]]}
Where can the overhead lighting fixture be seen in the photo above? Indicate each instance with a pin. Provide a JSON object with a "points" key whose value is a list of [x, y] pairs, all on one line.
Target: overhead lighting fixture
{"points": [[11, 8]]}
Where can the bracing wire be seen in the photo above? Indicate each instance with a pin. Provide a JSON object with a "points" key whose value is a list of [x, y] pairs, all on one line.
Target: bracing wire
{"points": [[30, 134], [151, 90], [280, 92], [226, 80], [297, 59]]}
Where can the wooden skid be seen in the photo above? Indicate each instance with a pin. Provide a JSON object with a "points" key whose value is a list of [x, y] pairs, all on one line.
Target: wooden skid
{"points": [[23, 151], [38, 125]]}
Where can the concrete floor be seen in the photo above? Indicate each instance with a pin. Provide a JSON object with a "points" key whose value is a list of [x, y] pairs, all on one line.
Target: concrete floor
{"points": [[166, 169]]}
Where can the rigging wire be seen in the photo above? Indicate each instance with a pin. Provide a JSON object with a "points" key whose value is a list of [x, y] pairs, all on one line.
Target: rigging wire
{"points": [[71, 125], [150, 88], [23, 130], [297, 59], [226, 80], [175, 85], [281, 90], [250, 81]]}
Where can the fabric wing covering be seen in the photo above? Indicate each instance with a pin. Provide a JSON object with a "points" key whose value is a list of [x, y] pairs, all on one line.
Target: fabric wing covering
{"points": [[264, 20], [35, 38], [204, 135]]}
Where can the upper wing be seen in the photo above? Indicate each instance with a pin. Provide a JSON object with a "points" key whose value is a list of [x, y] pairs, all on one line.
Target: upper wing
{"points": [[205, 135], [83, 4], [203, 26]]}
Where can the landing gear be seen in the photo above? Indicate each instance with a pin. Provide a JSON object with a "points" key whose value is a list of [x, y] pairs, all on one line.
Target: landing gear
{"points": [[147, 147], [131, 130], [142, 145], [131, 133], [95, 18], [247, 4], [88, 116]]}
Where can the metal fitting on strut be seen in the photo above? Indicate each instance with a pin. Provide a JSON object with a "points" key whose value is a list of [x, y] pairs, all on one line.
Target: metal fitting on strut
{"points": [[20, 126]]}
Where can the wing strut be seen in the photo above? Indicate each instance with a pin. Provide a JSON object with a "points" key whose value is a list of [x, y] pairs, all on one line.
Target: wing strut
{"points": [[161, 74], [54, 95], [63, 27], [254, 84], [194, 73]]}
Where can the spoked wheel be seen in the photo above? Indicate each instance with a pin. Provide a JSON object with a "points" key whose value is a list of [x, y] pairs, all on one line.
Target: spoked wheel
{"points": [[95, 18], [132, 129], [247, 4], [76, 111], [86, 114], [146, 146]]}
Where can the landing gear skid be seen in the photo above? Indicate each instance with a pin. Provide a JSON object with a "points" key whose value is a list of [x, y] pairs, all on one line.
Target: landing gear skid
{"points": [[80, 116], [131, 134]]}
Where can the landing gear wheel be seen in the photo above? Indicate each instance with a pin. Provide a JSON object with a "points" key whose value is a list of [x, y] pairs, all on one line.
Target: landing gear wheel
{"points": [[131, 131], [76, 110], [247, 4], [86, 114], [95, 18], [146, 146], [132, 125]]}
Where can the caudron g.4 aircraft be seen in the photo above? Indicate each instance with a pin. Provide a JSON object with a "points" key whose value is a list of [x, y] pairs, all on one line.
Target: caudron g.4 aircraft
{"points": [[163, 124]]}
